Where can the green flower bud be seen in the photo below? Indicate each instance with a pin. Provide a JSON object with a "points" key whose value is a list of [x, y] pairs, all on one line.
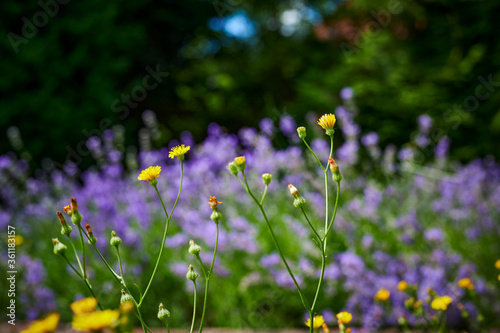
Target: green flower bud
{"points": [[233, 168], [194, 248], [76, 217], [240, 162], [402, 321], [336, 175], [115, 240], [65, 228], [299, 201], [126, 297], [163, 314], [191, 274], [302, 132], [59, 248], [215, 216], [266, 178], [92, 239]]}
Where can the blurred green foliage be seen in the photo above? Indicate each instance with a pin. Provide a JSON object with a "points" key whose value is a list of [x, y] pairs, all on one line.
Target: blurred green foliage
{"points": [[424, 57]]}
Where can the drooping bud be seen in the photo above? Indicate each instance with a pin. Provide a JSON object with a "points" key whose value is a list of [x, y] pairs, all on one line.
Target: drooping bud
{"points": [[301, 131], [163, 314], [126, 297], [191, 274], [59, 248], [241, 163], [336, 175], [216, 215], [65, 228], [266, 178], [194, 248], [115, 240], [92, 239], [233, 168], [298, 200], [76, 217]]}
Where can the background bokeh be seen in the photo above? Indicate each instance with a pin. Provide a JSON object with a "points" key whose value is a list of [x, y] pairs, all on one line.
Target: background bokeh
{"points": [[235, 62], [93, 92]]}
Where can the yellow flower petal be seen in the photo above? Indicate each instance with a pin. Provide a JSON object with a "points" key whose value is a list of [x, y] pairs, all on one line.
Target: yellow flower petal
{"points": [[150, 173], [178, 151], [84, 305], [327, 121], [318, 322]]}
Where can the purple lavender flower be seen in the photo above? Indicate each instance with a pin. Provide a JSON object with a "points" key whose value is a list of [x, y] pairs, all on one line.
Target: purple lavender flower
{"points": [[288, 126], [424, 122], [266, 126], [441, 149], [346, 93], [370, 139]]}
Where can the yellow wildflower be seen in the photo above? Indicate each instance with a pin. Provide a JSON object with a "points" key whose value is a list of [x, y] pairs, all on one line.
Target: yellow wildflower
{"points": [[402, 285], [212, 201], [327, 121], [344, 318], [150, 174], [382, 294], [18, 240], [497, 264], [441, 303], [46, 325], [94, 321], [465, 283], [179, 152], [318, 321], [84, 305]]}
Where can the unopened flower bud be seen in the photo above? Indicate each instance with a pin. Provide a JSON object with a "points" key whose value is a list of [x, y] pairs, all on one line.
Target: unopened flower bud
{"points": [[191, 274], [293, 190], [299, 201], [65, 228], [59, 248], [402, 321], [194, 248], [266, 178], [126, 297], [336, 175], [241, 163], [76, 217], [409, 303], [163, 314], [301, 131], [115, 240], [92, 239], [216, 215], [232, 168]]}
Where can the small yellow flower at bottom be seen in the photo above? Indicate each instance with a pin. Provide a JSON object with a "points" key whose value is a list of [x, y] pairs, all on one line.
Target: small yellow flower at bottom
{"points": [[179, 152], [150, 174], [94, 321], [318, 322], [84, 305], [402, 285], [344, 318], [441, 302], [497, 264], [382, 294], [46, 325]]}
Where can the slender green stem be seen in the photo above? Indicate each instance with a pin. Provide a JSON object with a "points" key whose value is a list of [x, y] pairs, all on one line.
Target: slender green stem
{"points": [[83, 251], [312, 228], [76, 253], [194, 308], [334, 210], [119, 261], [304, 300], [87, 284], [73, 267], [442, 327], [264, 195], [207, 278], [162, 245], [314, 154]]}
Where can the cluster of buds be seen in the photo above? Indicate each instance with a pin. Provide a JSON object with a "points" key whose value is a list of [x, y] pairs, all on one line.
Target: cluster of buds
{"points": [[334, 168], [299, 200], [216, 215], [59, 248], [92, 239], [65, 228], [239, 164]]}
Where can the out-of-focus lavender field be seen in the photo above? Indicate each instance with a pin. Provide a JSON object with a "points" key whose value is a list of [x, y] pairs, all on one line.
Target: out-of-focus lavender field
{"points": [[429, 224]]}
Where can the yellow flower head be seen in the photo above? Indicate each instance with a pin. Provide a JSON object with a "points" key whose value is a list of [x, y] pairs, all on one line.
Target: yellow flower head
{"points": [[402, 285], [48, 324], [344, 318], [382, 294], [178, 151], [465, 283], [18, 240], [327, 121], [441, 302], [212, 201], [94, 321], [150, 174], [84, 305], [318, 322], [497, 264]]}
